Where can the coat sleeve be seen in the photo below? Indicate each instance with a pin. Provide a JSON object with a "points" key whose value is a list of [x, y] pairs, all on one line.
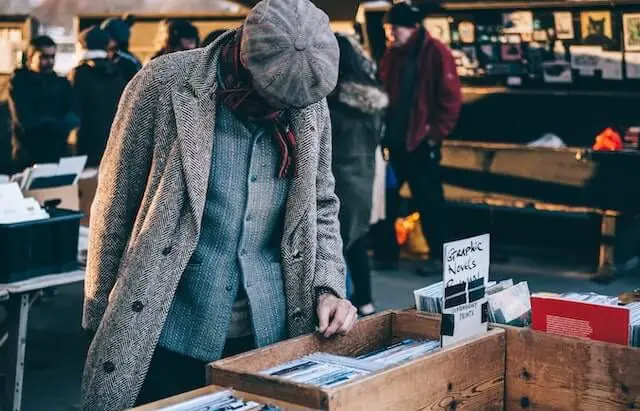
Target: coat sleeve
{"points": [[123, 176], [330, 273], [449, 98]]}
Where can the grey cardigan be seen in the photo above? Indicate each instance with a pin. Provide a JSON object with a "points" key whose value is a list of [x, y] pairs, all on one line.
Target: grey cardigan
{"points": [[146, 219]]}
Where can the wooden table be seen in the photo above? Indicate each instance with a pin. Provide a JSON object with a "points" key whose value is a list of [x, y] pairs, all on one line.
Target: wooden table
{"points": [[18, 298]]}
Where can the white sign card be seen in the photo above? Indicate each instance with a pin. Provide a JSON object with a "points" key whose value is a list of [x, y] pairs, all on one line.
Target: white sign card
{"points": [[465, 276]]}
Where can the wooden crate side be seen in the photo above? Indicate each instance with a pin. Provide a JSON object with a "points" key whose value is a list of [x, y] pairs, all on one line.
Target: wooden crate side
{"points": [[468, 376], [416, 325], [550, 372], [159, 405], [368, 334], [287, 391]]}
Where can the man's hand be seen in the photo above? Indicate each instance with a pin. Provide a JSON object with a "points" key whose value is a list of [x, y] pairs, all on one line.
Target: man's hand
{"points": [[337, 316]]}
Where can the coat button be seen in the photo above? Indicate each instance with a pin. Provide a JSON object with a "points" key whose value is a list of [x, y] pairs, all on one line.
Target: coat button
{"points": [[108, 367], [137, 306], [166, 251], [297, 314], [229, 288]]}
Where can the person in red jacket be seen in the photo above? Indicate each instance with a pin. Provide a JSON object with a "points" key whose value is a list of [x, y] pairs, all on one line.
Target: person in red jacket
{"points": [[419, 74]]}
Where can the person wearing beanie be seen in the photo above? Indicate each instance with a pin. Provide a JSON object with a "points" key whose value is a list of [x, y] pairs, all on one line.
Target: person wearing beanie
{"points": [[119, 31], [419, 74], [97, 85], [214, 228], [176, 35]]}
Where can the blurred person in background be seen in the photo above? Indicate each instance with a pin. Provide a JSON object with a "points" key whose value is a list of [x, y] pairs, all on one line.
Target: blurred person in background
{"points": [[119, 31], [212, 36], [419, 74], [40, 103], [176, 35], [97, 84], [357, 116], [215, 228]]}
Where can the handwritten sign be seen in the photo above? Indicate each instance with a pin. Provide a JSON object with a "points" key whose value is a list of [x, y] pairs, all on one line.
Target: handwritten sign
{"points": [[465, 276]]}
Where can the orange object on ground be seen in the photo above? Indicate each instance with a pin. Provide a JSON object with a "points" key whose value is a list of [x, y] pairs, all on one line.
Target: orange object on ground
{"points": [[608, 140]]}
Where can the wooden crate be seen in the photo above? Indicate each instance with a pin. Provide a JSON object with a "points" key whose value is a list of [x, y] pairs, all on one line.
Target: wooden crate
{"points": [[550, 372], [159, 405], [468, 376]]}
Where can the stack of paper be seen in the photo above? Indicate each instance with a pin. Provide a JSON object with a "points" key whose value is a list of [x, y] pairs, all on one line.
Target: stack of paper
{"points": [[14, 208], [220, 401], [510, 305], [328, 370]]}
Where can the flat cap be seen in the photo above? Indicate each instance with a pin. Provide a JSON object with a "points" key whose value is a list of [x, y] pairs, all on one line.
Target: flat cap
{"points": [[290, 51]]}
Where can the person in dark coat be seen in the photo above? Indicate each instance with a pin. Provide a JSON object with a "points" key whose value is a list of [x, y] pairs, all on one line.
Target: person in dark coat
{"points": [[176, 35], [41, 107], [119, 31], [357, 107], [97, 85]]}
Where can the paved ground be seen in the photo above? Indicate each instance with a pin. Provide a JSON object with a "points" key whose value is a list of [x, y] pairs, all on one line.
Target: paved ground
{"points": [[55, 343]]}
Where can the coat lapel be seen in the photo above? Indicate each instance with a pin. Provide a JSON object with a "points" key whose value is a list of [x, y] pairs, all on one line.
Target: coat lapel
{"points": [[195, 121], [303, 184]]}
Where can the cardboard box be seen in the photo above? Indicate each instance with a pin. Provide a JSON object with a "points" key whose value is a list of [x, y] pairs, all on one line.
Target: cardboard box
{"points": [[87, 190], [552, 372], [211, 389], [467, 376], [68, 195]]}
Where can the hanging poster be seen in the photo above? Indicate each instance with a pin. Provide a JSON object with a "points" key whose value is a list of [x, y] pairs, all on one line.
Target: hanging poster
{"points": [[511, 52], [631, 23], [586, 59], [517, 22], [632, 65], [439, 28], [465, 276], [467, 32], [611, 65], [489, 54], [564, 25], [596, 28], [555, 72]]}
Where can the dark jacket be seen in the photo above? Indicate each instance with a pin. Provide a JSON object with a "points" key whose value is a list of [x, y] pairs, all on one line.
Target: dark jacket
{"points": [[41, 116], [357, 113], [437, 97], [128, 65], [97, 85]]}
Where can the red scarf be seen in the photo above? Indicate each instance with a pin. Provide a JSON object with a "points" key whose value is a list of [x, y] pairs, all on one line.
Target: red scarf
{"points": [[239, 95]]}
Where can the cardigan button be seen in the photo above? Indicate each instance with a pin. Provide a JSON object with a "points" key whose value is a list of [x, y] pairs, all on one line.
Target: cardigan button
{"points": [[108, 367]]}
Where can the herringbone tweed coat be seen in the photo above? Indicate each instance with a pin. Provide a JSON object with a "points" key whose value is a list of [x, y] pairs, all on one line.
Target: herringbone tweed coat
{"points": [[147, 213]]}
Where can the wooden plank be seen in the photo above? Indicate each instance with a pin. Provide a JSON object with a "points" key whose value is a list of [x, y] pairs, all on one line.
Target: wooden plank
{"points": [[414, 325], [549, 372], [211, 389], [368, 334], [468, 376]]}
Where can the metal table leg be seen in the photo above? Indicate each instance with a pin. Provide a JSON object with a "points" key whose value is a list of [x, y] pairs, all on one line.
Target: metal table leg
{"points": [[18, 315]]}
